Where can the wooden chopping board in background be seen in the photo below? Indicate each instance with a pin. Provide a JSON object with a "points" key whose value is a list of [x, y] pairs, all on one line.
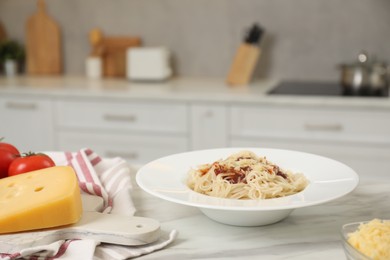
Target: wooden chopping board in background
{"points": [[43, 43], [112, 50], [114, 57], [3, 33]]}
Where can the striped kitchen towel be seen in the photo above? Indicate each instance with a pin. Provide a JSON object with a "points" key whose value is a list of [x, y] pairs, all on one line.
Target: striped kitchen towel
{"points": [[108, 178]]}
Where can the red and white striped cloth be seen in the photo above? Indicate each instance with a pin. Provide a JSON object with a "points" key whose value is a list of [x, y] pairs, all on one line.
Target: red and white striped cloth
{"points": [[103, 178], [106, 178]]}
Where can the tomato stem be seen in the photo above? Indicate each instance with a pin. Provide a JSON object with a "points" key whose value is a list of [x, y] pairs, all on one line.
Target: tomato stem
{"points": [[28, 154], [32, 154]]}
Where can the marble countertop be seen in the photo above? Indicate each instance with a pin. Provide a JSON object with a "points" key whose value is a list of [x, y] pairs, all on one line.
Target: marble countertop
{"points": [[178, 89], [308, 233]]}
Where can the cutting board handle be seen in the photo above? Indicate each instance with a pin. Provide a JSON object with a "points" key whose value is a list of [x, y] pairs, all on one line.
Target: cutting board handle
{"points": [[101, 227], [41, 6]]}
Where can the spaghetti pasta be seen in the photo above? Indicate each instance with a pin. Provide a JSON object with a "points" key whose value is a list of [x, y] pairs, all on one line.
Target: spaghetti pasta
{"points": [[244, 175]]}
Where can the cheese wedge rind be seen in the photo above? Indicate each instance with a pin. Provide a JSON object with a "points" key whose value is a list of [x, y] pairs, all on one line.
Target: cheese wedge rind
{"points": [[39, 199]]}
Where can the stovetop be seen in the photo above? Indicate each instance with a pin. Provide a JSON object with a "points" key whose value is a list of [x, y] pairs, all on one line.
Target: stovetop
{"points": [[321, 89]]}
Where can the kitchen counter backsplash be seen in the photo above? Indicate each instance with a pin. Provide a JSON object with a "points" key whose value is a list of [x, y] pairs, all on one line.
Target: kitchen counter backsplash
{"points": [[303, 39]]}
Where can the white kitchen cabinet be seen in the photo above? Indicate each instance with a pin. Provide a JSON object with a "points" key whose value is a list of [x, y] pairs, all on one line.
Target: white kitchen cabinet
{"points": [[366, 160], [141, 122], [209, 126], [358, 138], [342, 124], [27, 122], [136, 131], [134, 148], [138, 116]]}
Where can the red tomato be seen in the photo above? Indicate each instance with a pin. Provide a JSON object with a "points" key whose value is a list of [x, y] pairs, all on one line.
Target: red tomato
{"points": [[30, 162], [9, 147], [8, 153]]}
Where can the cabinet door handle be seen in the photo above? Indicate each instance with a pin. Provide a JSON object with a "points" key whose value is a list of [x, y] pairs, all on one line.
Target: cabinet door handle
{"points": [[120, 118], [124, 155], [324, 127], [208, 114], [21, 106]]}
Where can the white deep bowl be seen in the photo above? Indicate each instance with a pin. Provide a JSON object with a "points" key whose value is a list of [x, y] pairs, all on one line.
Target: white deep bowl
{"points": [[246, 218], [165, 178]]}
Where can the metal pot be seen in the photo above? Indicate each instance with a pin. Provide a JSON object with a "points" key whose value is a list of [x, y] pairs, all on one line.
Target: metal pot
{"points": [[365, 77]]}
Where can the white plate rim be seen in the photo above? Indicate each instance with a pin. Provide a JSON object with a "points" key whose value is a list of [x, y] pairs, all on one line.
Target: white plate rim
{"points": [[353, 180]]}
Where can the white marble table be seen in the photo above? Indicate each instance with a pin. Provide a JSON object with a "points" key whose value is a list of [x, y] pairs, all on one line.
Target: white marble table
{"points": [[308, 233]]}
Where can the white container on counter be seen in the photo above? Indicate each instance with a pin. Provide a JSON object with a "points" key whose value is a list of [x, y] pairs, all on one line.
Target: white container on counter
{"points": [[93, 67], [10, 68], [148, 63]]}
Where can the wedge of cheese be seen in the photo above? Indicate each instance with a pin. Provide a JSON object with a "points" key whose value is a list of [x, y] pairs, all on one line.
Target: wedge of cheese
{"points": [[40, 199]]}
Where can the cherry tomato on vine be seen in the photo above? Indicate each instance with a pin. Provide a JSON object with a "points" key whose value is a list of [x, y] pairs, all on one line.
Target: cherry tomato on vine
{"points": [[8, 153], [30, 162]]}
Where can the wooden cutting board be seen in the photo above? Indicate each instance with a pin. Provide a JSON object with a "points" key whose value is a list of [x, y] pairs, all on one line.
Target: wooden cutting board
{"points": [[3, 33], [43, 43], [114, 57], [112, 50]]}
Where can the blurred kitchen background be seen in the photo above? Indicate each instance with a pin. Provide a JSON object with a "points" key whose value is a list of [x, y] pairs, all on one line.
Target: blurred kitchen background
{"points": [[304, 39], [143, 114]]}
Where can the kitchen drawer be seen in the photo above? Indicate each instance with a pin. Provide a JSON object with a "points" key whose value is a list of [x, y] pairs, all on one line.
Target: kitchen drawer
{"points": [[369, 161], [135, 148], [209, 128], [27, 122], [312, 123], [138, 116]]}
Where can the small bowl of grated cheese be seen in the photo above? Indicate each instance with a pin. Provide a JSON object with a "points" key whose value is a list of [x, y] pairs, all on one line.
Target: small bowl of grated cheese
{"points": [[368, 240]]}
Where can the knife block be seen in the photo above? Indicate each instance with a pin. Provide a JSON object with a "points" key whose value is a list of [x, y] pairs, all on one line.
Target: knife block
{"points": [[243, 65]]}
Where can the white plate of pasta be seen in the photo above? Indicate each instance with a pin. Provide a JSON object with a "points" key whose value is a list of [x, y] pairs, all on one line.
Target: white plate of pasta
{"points": [[247, 186]]}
